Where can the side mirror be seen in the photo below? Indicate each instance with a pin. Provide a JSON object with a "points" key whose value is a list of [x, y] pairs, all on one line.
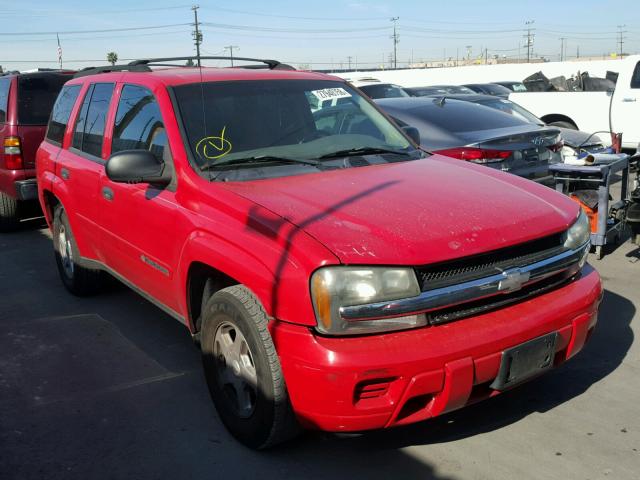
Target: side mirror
{"points": [[137, 166], [412, 133]]}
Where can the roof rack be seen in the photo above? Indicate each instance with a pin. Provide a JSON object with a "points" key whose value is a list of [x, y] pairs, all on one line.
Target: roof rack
{"points": [[111, 68], [143, 65], [263, 63]]}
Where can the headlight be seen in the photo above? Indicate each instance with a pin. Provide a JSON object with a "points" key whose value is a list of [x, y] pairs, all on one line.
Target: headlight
{"points": [[579, 233], [335, 287]]}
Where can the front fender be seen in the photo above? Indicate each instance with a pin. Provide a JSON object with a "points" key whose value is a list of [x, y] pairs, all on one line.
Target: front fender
{"points": [[277, 274]]}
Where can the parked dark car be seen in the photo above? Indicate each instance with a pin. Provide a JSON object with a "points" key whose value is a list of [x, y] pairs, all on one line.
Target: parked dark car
{"points": [[489, 89], [514, 86], [383, 90], [479, 134], [438, 90], [576, 139], [25, 105]]}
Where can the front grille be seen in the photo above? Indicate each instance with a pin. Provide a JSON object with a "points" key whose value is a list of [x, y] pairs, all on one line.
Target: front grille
{"points": [[490, 263], [493, 303]]}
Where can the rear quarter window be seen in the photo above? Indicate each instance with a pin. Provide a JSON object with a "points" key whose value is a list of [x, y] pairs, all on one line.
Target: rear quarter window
{"points": [[5, 83], [36, 96], [61, 113]]}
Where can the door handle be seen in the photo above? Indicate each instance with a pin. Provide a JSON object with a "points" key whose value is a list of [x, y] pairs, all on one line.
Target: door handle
{"points": [[64, 173], [629, 99], [107, 193]]}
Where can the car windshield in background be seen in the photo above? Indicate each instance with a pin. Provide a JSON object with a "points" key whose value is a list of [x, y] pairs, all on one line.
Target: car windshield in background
{"points": [[383, 90], [518, 87], [511, 108], [36, 96], [296, 123]]}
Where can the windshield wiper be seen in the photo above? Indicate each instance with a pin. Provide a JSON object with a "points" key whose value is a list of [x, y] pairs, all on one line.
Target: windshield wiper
{"points": [[257, 160], [351, 152]]}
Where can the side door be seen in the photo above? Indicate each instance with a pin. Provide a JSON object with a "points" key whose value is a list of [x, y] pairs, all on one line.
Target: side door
{"points": [[80, 168], [626, 110], [137, 221]]}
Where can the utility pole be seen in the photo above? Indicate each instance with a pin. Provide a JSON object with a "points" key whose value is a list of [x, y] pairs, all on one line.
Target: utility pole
{"points": [[486, 55], [562, 39], [230, 48], [396, 40], [529, 36], [621, 38], [197, 34], [349, 59], [578, 51]]}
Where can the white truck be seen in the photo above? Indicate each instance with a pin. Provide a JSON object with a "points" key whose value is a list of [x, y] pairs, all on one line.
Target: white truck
{"points": [[594, 111], [586, 111]]}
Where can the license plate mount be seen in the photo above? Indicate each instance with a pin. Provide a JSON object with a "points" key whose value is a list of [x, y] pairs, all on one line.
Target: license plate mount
{"points": [[525, 361]]}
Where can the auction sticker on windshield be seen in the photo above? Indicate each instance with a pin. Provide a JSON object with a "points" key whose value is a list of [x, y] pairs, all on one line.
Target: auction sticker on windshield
{"points": [[331, 93]]}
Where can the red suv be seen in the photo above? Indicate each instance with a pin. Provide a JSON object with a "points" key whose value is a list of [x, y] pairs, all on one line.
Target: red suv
{"points": [[25, 104], [336, 276]]}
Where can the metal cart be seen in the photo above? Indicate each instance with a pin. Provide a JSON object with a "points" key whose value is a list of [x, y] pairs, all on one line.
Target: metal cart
{"points": [[600, 177]]}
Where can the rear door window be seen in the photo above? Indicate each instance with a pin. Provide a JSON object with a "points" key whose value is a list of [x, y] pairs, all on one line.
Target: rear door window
{"points": [[5, 83], [89, 132], [61, 113], [138, 124], [36, 96]]}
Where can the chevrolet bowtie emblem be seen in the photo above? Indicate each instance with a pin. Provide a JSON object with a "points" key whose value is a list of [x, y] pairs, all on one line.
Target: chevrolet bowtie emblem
{"points": [[513, 280]]}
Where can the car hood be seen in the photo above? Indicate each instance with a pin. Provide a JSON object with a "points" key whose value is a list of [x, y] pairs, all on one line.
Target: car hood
{"points": [[414, 212]]}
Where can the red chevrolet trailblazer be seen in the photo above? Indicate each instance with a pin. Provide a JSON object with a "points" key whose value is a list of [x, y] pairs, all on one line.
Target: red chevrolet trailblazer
{"points": [[336, 276]]}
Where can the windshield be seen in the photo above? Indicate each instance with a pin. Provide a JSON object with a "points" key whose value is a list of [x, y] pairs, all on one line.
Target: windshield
{"points": [[384, 90], [271, 121], [512, 109]]}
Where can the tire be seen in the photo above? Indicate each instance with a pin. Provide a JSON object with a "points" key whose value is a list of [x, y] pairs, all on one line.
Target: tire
{"points": [[9, 218], [562, 124], [80, 281], [243, 371]]}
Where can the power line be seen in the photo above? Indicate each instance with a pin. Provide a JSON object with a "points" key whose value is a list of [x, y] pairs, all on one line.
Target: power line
{"points": [[529, 36], [6, 34], [396, 40], [197, 34], [230, 48], [255, 28], [621, 37]]}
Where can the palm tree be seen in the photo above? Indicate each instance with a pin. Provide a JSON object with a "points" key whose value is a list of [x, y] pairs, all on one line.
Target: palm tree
{"points": [[112, 58]]}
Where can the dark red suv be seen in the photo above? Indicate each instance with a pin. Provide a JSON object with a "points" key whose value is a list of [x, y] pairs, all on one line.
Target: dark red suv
{"points": [[336, 276], [25, 105]]}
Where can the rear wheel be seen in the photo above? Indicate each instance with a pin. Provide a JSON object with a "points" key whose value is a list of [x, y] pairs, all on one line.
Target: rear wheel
{"points": [[9, 218], [79, 280], [243, 371]]}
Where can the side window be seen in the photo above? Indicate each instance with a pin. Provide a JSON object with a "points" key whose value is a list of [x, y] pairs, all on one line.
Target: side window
{"points": [[138, 124], [89, 131], [5, 83], [61, 113], [635, 79]]}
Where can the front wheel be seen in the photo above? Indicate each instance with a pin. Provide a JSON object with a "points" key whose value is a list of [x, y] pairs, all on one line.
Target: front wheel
{"points": [[243, 371], [79, 280]]}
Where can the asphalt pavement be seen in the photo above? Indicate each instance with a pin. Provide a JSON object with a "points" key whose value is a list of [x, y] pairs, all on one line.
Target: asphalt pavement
{"points": [[110, 387]]}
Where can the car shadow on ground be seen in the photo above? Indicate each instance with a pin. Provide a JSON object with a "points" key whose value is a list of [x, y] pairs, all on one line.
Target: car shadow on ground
{"points": [[165, 425]]}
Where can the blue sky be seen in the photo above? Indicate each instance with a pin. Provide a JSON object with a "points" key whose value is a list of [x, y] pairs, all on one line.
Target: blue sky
{"points": [[320, 34]]}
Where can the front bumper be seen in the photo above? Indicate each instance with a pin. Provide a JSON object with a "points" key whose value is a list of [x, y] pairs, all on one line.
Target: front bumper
{"points": [[377, 381]]}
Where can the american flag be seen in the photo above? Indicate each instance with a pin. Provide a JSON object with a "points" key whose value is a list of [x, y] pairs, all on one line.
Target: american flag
{"points": [[59, 50]]}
